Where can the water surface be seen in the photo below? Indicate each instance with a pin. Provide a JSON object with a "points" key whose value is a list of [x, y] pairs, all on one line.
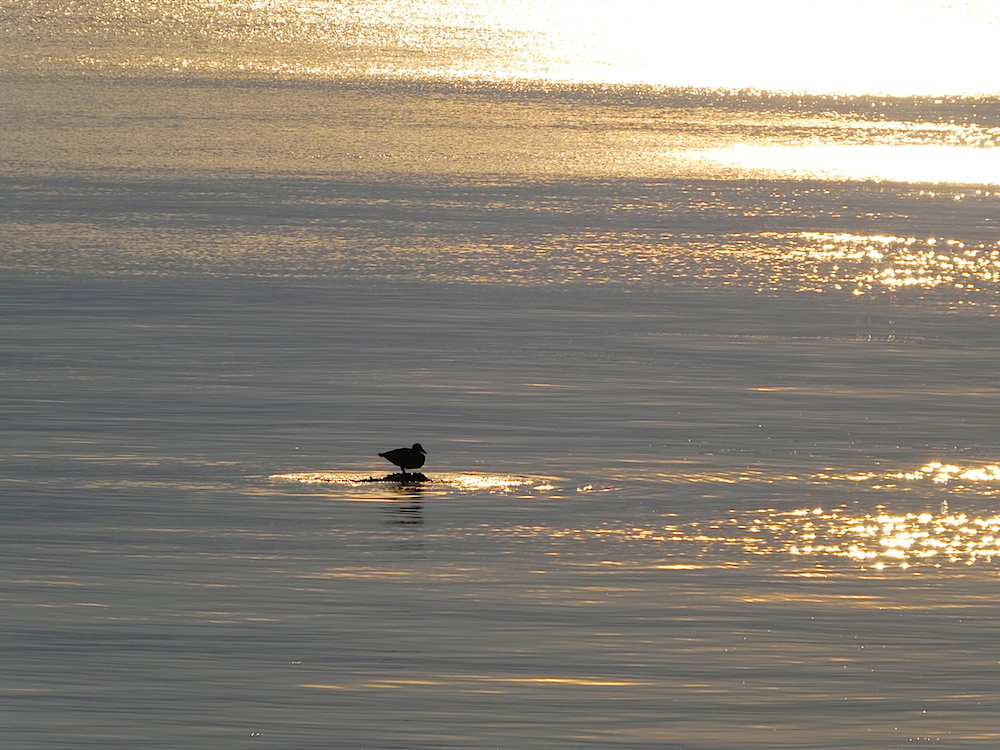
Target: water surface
{"points": [[704, 357]]}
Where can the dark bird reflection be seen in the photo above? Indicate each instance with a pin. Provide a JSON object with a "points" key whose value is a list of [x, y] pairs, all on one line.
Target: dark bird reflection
{"points": [[405, 513], [407, 508]]}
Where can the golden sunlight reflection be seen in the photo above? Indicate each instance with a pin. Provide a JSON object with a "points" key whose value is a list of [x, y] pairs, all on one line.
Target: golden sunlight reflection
{"points": [[984, 480], [645, 41], [463, 482], [945, 473], [803, 537], [811, 538], [905, 47], [865, 263], [981, 481], [469, 682], [927, 163], [878, 539]]}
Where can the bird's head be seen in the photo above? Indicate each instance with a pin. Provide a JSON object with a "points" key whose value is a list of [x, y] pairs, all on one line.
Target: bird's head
{"points": [[418, 447]]}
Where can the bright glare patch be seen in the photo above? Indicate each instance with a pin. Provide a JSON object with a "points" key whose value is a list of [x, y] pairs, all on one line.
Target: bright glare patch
{"points": [[927, 163], [810, 537], [769, 44], [911, 47], [941, 473], [465, 482], [984, 479], [878, 540], [871, 263], [813, 537], [486, 482]]}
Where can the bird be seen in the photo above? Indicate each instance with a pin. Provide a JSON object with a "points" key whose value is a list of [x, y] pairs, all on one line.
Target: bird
{"points": [[406, 458]]}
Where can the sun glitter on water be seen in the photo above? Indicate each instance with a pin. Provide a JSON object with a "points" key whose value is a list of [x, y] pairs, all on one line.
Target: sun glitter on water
{"points": [[825, 45], [463, 482], [984, 481], [863, 264], [903, 47], [817, 540], [878, 540], [895, 162]]}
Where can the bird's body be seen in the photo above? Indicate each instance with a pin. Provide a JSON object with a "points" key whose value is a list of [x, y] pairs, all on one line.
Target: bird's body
{"points": [[406, 458]]}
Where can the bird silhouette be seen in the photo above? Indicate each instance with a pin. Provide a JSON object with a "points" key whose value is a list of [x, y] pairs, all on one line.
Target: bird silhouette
{"points": [[406, 458]]}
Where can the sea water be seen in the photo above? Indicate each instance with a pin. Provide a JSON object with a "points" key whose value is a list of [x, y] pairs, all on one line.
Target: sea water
{"points": [[707, 381]]}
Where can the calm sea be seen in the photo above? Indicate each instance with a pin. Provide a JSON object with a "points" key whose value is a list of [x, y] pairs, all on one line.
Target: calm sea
{"points": [[707, 376]]}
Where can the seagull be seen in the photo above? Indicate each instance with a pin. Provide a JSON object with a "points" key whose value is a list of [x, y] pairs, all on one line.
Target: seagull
{"points": [[406, 458]]}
